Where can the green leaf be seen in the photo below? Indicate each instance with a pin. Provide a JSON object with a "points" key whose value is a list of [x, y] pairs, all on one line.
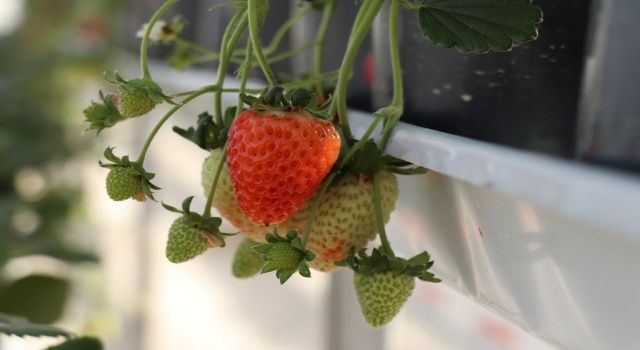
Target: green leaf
{"points": [[304, 270], [186, 204], [479, 26], [368, 159], [420, 259], [39, 298], [284, 274], [81, 343], [262, 248], [268, 267], [19, 326]]}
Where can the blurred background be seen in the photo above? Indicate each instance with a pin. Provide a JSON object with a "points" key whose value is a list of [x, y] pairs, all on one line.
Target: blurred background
{"points": [[71, 257]]}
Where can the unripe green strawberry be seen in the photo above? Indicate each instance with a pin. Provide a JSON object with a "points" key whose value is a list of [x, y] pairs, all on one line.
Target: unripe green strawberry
{"points": [[345, 216], [382, 295], [134, 101], [123, 184], [284, 256], [246, 262], [186, 241]]}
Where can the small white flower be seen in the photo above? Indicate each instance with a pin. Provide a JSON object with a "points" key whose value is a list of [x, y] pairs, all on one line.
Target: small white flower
{"points": [[156, 32]]}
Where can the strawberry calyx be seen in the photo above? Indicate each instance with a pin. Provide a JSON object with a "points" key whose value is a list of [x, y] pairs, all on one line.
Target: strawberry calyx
{"points": [[104, 114], [370, 159], [137, 97], [207, 134], [208, 226], [285, 255], [380, 262], [292, 100], [135, 170], [152, 89]]}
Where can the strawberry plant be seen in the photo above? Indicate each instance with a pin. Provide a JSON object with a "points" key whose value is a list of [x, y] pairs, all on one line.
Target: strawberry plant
{"points": [[285, 168]]}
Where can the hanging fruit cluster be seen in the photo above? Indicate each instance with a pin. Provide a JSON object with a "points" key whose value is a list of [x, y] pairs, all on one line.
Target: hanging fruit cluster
{"points": [[284, 167]]}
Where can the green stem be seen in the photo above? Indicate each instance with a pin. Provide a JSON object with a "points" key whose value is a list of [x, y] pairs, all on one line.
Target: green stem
{"points": [[319, 43], [214, 183], [377, 207], [300, 83], [229, 33], [212, 87], [206, 50], [255, 42], [175, 108], [279, 35], [311, 81], [398, 91], [144, 47], [244, 74], [284, 55], [363, 22]]}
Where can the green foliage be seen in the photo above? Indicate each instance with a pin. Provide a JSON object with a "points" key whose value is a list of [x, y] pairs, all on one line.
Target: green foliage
{"points": [[81, 343], [37, 297], [279, 99], [207, 134], [479, 26], [21, 327], [379, 262]]}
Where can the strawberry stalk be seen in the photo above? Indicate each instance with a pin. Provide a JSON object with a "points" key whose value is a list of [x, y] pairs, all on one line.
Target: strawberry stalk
{"points": [[284, 28], [363, 21], [397, 104], [214, 183], [292, 85], [166, 117], [237, 55], [245, 68], [327, 12], [144, 46], [255, 41], [377, 207], [229, 41]]}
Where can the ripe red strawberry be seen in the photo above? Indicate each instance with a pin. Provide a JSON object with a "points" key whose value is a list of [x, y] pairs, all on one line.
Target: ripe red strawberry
{"points": [[277, 160]]}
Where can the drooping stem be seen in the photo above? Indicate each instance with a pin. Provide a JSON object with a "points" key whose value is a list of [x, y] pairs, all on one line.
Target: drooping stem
{"points": [[279, 35], [286, 54], [214, 183], [300, 83], [244, 74], [144, 46], [398, 91], [255, 42], [194, 46], [229, 34], [319, 43], [363, 22], [166, 117], [377, 207]]}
